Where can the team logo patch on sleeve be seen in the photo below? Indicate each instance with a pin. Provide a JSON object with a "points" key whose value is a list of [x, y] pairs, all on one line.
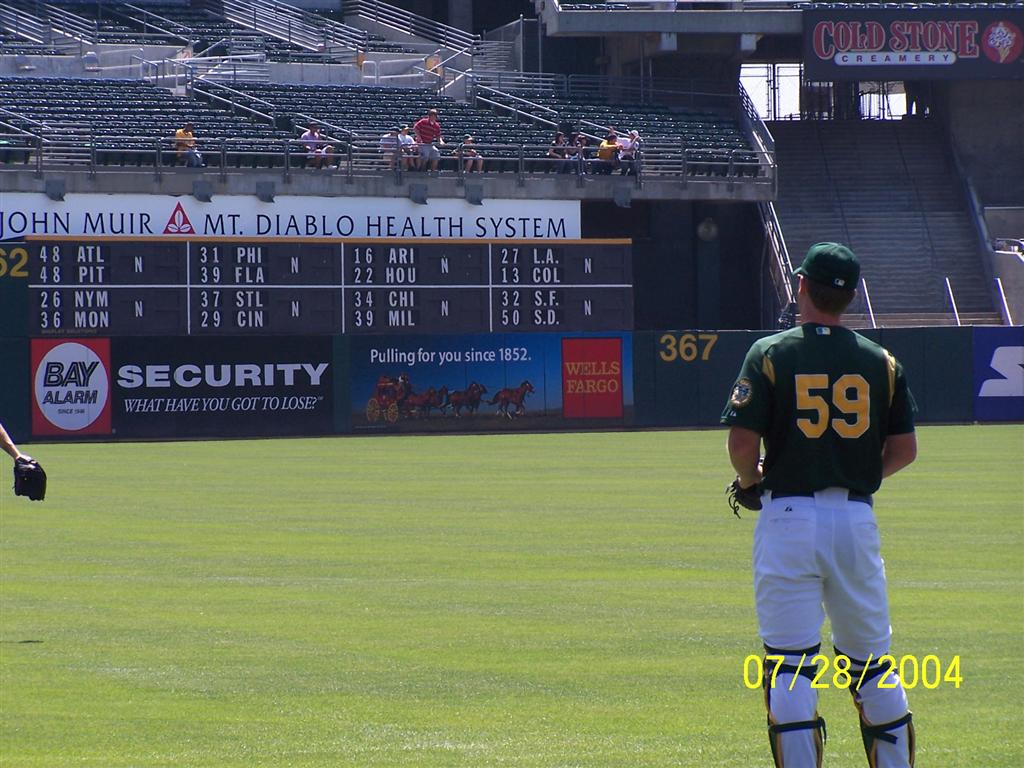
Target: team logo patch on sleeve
{"points": [[741, 393]]}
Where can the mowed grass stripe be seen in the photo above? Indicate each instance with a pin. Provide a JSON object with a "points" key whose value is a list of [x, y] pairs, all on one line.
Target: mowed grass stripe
{"points": [[521, 600]]}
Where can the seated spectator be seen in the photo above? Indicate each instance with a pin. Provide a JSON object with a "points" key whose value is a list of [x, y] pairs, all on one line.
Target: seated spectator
{"points": [[576, 151], [467, 153], [391, 149], [185, 146], [607, 154], [428, 135], [318, 149], [628, 149], [410, 152], [557, 153]]}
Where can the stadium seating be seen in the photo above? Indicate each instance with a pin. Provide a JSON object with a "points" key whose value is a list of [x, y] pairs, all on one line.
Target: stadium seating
{"points": [[371, 111], [119, 23], [125, 118], [712, 138], [11, 44]]}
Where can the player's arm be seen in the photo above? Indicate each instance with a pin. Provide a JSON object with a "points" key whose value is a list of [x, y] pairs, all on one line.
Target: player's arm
{"points": [[8, 445], [744, 446], [898, 452], [900, 448]]}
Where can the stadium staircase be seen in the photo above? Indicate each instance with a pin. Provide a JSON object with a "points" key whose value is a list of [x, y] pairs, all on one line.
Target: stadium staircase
{"points": [[888, 189], [414, 32]]}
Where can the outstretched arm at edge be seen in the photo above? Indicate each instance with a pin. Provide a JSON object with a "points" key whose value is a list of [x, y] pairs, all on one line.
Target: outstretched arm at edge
{"points": [[8, 445]]}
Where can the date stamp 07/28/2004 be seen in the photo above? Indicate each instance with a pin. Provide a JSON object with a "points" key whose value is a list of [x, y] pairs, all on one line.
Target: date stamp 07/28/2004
{"points": [[838, 672]]}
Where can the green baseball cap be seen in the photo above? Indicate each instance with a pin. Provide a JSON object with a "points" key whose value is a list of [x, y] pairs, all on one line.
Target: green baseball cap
{"points": [[831, 264]]}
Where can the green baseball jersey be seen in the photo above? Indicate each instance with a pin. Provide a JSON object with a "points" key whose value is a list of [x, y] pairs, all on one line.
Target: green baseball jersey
{"points": [[824, 399]]}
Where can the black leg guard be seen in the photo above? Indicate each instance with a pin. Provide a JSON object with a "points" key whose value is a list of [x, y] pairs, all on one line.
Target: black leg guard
{"points": [[775, 730], [875, 735], [872, 734]]}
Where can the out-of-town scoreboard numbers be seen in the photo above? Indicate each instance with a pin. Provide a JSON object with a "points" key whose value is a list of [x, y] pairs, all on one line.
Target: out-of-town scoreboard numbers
{"points": [[215, 286]]}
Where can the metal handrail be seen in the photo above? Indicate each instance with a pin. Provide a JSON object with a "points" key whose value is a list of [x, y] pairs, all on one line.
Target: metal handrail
{"points": [[1002, 297], [305, 120], [867, 302], [71, 25], [300, 27], [782, 274], [983, 241], [361, 153], [647, 6], [221, 99], [174, 24], [25, 25], [952, 300], [11, 113], [235, 92], [409, 23]]}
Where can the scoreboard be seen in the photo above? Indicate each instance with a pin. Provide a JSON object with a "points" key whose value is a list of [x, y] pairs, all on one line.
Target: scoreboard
{"points": [[216, 286]]}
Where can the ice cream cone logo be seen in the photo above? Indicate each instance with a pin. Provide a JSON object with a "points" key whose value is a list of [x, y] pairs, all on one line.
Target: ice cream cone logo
{"points": [[1002, 42]]}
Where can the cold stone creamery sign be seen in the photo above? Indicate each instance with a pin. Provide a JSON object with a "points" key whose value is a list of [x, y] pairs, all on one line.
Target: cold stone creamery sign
{"points": [[27, 213], [922, 44]]}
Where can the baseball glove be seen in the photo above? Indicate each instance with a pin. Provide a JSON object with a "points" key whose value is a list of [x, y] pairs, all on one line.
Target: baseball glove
{"points": [[737, 496], [29, 479]]}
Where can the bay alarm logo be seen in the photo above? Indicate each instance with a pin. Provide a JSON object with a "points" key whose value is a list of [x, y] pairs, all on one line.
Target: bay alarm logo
{"points": [[592, 378], [179, 223], [71, 386]]}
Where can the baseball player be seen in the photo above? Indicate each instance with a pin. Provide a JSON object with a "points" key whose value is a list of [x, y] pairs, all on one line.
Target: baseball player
{"points": [[836, 416]]}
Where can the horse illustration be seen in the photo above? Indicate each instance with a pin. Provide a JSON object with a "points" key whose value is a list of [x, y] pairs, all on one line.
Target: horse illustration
{"points": [[508, 396], [422, 403], [418, 403], [439, 400], [468, 398]]}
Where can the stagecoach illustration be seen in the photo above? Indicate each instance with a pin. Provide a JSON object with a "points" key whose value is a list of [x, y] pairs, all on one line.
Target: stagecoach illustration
{"points": [[388, 399]]}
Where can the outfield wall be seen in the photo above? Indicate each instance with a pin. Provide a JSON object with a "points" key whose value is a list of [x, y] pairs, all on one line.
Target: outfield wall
{"points": [[168, 388]]}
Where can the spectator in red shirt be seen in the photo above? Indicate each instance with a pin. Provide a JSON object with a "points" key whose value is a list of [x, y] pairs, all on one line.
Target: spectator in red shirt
{"points": [[428, 134]]}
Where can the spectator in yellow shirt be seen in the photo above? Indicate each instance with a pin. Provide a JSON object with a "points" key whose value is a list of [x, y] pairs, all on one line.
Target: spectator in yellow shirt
{"points": [[607, 154], [185, 145]]}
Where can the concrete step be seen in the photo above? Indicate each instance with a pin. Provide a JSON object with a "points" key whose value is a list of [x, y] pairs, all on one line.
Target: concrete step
{"points": [[916, 319]]}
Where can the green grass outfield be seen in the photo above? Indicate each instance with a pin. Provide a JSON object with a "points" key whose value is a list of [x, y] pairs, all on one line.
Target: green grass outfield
{"points": [[522, 600]]}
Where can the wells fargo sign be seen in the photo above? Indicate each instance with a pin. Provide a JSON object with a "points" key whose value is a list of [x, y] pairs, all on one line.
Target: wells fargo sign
{"points": [[913, 44]]}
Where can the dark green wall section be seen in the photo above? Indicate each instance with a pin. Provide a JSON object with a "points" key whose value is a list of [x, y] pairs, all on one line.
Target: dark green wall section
{"points": [[14, 362], [682, 378], [14, 386], [938, 363]]}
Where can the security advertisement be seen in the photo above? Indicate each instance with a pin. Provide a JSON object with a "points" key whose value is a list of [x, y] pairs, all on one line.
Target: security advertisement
{"points": [[190, 387], [493, 382], [940, 43], [999, 374]]}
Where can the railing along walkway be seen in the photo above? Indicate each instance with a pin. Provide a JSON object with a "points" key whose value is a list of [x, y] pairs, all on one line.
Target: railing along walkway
{"points": [[409, 23], [355, 155]]}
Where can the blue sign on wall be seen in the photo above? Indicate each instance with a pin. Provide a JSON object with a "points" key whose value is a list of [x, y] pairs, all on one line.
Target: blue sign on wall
{"points": [[999, 374]]}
